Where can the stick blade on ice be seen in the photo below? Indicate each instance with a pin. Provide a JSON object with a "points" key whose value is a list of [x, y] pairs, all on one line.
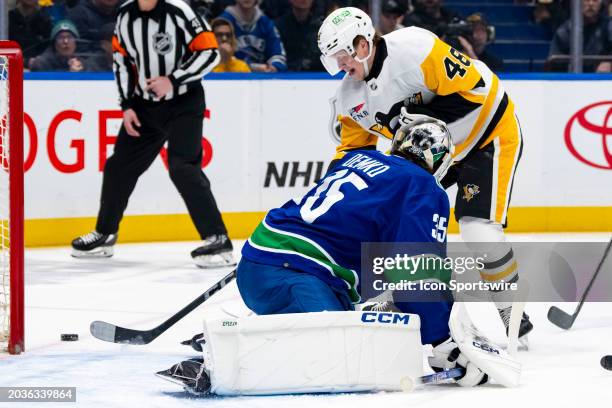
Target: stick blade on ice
{"points": [[103, 331], [560, 318], [114, 334]]}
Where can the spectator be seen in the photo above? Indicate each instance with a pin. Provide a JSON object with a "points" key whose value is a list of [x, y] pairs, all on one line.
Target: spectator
{"points": [[90, 16], [274, 9], [551, 13], [391, 16], [61, 54], [259, 42], [597, 39], [224, 32], [430, 14], [475, 46], [215, 7], [102, 60], [30, 27], [298, 29], [57, 9]]}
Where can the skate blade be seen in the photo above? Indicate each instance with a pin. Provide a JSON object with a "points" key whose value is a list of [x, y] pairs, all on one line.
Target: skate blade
{"points": [[101, 252], [215, 261], [174, 380]]}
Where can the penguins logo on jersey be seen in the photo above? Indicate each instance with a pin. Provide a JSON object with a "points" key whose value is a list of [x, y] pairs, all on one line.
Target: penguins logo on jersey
{"points": [[162, 43], [469, 191], [387, 122]]}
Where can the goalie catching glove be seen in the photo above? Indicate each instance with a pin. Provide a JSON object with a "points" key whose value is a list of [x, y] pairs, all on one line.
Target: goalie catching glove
{"points": [[447, 355]]}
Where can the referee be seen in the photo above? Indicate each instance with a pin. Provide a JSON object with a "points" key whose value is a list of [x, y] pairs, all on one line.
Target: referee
{"points": [[161, 50]]}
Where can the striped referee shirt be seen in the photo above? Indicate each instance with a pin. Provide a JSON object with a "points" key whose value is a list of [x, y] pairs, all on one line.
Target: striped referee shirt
{"points": [[169, 40]]}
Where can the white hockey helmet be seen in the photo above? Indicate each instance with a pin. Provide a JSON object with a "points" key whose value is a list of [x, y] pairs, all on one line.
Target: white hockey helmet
{"points": [[337, 33], [427, 143]]}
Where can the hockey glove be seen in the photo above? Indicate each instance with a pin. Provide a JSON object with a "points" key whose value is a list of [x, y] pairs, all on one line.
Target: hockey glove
{"points": [[447, 355]]}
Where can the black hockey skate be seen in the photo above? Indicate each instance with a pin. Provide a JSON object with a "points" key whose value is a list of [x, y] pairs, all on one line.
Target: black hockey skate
{"points": [[215, 252], [190, 374], [94, 245], [524, 329]]}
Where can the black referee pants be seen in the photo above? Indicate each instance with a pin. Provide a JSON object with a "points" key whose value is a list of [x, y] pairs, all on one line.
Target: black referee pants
{"points": [[178, 121]]}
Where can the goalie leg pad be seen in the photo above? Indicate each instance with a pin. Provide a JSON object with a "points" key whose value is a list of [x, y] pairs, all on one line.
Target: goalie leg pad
{"points": [[312, 352]]}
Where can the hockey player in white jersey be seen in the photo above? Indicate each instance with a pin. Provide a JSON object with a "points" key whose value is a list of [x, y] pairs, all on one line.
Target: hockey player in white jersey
{"points": [[395, 79]]}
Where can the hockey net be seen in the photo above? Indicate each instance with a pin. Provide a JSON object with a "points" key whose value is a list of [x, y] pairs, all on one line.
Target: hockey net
{"points": [[11, 199]]}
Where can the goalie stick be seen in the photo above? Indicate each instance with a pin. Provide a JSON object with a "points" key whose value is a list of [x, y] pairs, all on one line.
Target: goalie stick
{"points": [[564, 320], [409, 383], [116, 334]]}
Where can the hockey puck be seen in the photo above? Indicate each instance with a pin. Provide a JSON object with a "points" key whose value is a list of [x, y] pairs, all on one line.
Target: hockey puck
{"points": [[69, 337], [606, 362], [407, 384]]}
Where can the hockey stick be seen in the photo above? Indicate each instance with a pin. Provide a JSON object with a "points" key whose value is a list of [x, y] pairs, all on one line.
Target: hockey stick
{"points": [[408, 383], [565, 321], [115, 334]]}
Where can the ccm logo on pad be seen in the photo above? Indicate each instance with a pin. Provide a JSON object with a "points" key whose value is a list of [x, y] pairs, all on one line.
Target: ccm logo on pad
{"points": [[393, 318], [485, 347]]}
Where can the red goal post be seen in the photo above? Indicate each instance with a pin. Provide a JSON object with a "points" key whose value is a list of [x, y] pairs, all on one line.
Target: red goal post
{"points": [[11, 198]]}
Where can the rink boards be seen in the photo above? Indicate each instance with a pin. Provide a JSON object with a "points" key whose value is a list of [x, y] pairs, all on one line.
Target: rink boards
{"points": [[267, 140]]}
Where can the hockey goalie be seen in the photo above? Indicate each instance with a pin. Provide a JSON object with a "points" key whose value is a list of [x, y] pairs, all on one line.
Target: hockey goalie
{"points": [[300, 273]]}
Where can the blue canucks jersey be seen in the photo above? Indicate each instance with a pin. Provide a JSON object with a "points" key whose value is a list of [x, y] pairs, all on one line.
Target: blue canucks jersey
{"points": [[368, 197]]}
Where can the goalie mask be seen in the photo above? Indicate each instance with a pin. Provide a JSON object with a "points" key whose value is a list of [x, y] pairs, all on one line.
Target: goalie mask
{"points": [[426, 143]]}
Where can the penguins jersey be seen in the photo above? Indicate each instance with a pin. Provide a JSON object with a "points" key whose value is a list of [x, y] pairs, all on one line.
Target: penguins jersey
{"points": [[322, 233], [413, 68]]}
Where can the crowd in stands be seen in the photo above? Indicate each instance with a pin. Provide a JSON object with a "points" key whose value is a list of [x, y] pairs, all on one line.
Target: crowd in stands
{"points": [[280, 35]]}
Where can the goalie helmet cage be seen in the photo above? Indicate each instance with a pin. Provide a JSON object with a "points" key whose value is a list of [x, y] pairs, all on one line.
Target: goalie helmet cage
{"points": [[11, 199]]}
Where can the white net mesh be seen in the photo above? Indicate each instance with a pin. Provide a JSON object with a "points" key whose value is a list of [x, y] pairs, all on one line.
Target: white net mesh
{"points": [[4, 206]]}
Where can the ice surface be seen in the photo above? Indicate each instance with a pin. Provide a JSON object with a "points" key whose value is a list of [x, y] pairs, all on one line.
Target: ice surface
{"points": [[143, 284]]}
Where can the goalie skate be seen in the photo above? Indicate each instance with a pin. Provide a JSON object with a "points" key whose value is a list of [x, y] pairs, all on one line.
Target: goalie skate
{"points": [[190, 374]]}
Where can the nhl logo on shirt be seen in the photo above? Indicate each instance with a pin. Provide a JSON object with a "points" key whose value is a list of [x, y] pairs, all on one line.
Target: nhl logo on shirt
{"points": [[469, 191], [162, 43]]}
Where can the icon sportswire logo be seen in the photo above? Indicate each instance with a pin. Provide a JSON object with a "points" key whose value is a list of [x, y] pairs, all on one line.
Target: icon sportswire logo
{"points": [[595, 121]]}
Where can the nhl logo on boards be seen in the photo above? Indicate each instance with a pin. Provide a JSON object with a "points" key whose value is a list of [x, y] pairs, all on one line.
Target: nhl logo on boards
{"points": [[162, 43], [469, 191]]}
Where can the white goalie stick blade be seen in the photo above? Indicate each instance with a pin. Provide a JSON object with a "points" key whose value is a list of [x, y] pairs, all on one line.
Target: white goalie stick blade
{"points": [[496, 362]]}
